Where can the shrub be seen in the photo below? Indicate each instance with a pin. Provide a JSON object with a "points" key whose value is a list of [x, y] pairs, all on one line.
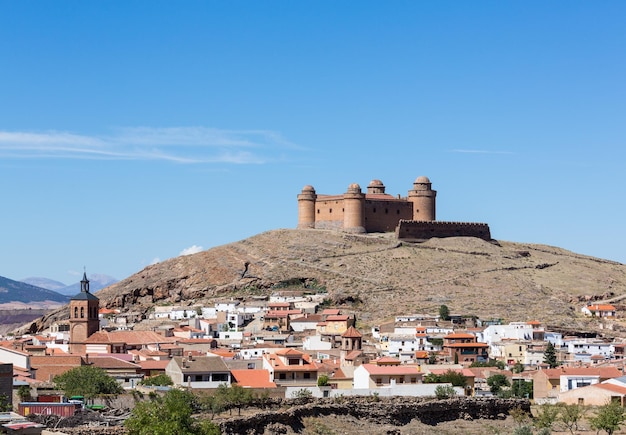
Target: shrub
{"points": [[444, 391]]}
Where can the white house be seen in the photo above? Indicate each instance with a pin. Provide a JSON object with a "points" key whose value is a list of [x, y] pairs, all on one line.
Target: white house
{"points": [[367, 376], [198, 371]]}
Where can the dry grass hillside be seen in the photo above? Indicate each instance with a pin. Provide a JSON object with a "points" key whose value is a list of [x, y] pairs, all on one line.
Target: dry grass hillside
{"points": [[379, 277]]}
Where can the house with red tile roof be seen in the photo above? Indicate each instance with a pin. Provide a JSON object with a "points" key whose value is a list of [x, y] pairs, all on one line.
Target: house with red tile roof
{"points": [[279, 320], [128, 374], [18, 358], [150, 368], [123, 341], [198, 371], [549, 383], [599, 310], [335, 324], [253, 378], [463, 347], [291, 367], [368, 376], [595, 395], [47, 367]]}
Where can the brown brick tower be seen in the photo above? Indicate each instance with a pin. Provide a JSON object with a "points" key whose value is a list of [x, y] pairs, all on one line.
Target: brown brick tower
{"points": [[84, 319]]}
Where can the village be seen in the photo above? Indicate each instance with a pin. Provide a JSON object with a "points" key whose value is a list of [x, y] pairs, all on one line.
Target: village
{"points": [[292, 343]]}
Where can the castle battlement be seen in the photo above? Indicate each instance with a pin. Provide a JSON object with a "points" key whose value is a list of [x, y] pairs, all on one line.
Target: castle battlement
{"points": [[411, 217]]}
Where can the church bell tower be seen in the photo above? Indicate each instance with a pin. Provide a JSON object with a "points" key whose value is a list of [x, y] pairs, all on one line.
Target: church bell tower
{"points": [[84, 319]]}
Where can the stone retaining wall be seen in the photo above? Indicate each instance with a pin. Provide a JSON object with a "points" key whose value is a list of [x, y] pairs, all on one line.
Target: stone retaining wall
{"points": [[397, 411]]}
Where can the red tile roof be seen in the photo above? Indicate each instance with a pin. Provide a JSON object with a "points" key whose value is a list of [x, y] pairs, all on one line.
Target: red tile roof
{"points": [[256, 378], [607, 372], [601, 307], [352, 332], [374, 369]]}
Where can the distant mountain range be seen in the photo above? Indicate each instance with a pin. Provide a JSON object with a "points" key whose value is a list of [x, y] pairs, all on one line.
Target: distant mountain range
{"points": [[97, 282], [17, 291]]}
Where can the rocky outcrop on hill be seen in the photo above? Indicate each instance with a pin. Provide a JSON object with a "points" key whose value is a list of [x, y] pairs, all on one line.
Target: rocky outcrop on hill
{"points": [[378, 277], [395, 411]]}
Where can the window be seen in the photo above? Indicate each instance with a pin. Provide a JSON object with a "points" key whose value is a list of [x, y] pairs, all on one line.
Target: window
{"points": [[307, 375], [75, 312], [379, 381], [282, 376], [414, 380], [82, 312], [220, 377]]}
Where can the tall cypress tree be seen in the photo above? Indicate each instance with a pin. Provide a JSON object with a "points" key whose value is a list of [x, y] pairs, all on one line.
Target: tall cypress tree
{"points": [[549, 356]]}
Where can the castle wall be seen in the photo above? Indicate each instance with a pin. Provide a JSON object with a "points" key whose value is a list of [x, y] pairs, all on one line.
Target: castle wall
{"points": [[423, 230], [329, 213], [383, 216]]}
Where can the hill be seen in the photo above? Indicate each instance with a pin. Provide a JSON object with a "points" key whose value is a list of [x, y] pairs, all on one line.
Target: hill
{"points": [[97, 281], [22, 294], [46, 283], [378, 277]]}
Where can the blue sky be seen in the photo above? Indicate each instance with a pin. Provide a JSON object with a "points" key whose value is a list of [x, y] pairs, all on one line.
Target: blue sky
{"points": [[132, 132]]}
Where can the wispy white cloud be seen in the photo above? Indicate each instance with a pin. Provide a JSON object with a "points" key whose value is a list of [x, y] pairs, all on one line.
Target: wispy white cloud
{"points": [[175, 144], [480, 151], [191, 250], [155, 260]]}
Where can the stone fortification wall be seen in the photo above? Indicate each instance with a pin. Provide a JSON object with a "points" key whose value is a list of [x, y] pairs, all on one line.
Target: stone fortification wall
{"points": [[423, 230], [398, 411], [383, 216]]}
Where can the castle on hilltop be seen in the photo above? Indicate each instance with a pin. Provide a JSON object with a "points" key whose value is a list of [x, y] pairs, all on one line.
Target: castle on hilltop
{"points": [[411, 217]]}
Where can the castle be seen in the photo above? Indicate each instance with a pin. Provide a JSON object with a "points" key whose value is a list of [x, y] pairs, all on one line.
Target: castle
{"points": [[411, 217]]}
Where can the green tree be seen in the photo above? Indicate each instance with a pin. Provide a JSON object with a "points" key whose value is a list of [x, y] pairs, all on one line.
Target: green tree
{"points": [[455, 378], [444, 312], [87, 381], [496, 382], [549, 356], [167, 415], [239, 397], [608, 417], [322, 381], [522, 388], [5, 406], [518, 367], [547, 415], [490, 363], [24, 393], [159, 380], [570, 415]]}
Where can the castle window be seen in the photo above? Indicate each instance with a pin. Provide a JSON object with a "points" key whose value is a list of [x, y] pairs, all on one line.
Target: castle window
{"points": [[386, 211], [374, 210], [318, 211], [330, 210]]}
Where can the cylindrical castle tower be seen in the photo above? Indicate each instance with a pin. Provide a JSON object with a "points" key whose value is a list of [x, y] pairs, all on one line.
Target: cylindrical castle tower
{"points": [[306, 207], [423, 198], [353, 205], [375, 186]]}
